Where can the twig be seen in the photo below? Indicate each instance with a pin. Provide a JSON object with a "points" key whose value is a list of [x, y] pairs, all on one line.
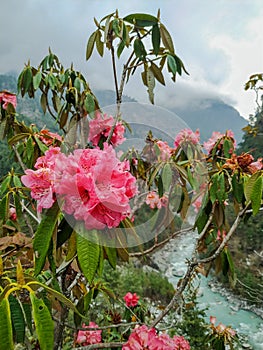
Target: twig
{"points": [[226, 239], [160, 244], [19, 158], [203, 233]]}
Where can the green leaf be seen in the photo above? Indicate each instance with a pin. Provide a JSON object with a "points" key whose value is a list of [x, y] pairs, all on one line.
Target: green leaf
{"points": [[43, 102], [88, 254], [28, 316], [55, 294], [172, 66], [90, 45], [29, 148], [43, 322], [3, 128], [99, 44], [256, 195], [167, 176], [43, 148], [18, 205], [139, 49], [111, 256], [6, 334], [116, 27], [77, 84], [121, 47], [89, 104], [43, 236], [249, 184], [221, 187], [27, 79], [228, 148], [166, 39], [37, 80], [156, 39], [17, 138], [18, 319], [238, 189], [4, 207], [63, 117], [5, 184], [141, 19], [157, 73], [150, 84]]}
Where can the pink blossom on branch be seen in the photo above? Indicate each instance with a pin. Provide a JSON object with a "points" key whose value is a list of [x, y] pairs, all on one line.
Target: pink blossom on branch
{"points": [[216, 136], [100, 129], [131, 300], [154, 201], [93, 185], [6, 97], [143, 337], [165, 150], [88, 337], [187, 136]]}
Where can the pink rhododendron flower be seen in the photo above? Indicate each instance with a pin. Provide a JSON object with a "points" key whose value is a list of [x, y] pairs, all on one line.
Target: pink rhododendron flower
{"points": [[180, 343], [221, 235], [41, 184], [93, 185], [42, 181], [216, 135], [144, 338], [197, 203], [187, 136], [255, 166], [221, 330], [12, 214], [141, 338], [154, 201], [87, 337], [131, 300], [212, 319], [7, 97], [49, 138], [100, 128], [165, 150]]}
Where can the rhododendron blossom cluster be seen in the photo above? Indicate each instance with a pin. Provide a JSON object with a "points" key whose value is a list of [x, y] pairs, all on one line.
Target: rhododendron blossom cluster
{"points": [[216, 136], [187, 136], [93, 185], [131, 299], [88, 337], [143, 337], [165, 150], [49, 138], [100, 128], [7, 97], [244, 162], [154, 201], [222, 330]]}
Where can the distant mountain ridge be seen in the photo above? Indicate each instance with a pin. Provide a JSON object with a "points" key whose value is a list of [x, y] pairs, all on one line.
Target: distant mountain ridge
{"points": [[208, 116]]}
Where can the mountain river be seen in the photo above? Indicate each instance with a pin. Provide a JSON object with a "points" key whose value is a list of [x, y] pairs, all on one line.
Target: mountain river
{"points": [[227, 308]]}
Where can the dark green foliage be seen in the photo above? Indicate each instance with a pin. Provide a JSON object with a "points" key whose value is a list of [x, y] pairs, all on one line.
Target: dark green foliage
{"points": [[192, 323], [145, 283]]}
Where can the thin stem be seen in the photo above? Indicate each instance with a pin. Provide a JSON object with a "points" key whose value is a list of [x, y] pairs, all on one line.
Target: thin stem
{"points": [[226, 238], [160, 244]]}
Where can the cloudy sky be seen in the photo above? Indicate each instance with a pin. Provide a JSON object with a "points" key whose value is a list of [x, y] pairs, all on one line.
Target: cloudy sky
{"points": [[220, 42]]}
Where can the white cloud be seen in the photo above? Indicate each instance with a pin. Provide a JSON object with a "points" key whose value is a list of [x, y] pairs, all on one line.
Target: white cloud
{"points": [[219, 41], [245, 57]]}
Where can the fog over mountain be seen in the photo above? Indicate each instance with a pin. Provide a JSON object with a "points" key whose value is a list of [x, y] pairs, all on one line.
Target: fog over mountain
{"points": [[206, 114]]}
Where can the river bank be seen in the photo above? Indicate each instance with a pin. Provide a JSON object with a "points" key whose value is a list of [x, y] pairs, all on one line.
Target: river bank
{"points": [[228, 308]]}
